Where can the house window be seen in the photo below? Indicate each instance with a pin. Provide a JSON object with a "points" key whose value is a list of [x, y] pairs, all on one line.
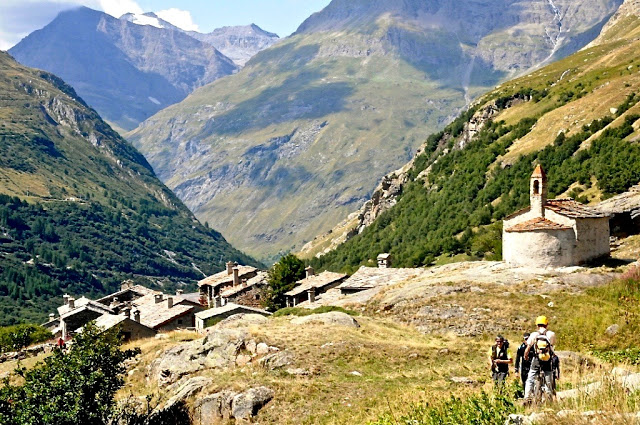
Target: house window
{"points": [[257, 296], [179, 321]]}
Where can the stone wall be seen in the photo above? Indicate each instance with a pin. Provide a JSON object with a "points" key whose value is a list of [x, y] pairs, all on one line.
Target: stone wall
{"points": [[593, 239], [133, 330], [251, 297], [182, 322], [539, 248]]}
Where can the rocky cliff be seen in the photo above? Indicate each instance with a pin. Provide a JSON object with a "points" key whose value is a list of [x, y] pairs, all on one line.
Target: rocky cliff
{"points": [[286, 148], [127, 72], [239, 43]]}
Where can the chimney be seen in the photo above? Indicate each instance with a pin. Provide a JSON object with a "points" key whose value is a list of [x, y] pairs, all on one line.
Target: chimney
{"points": [[229, 268], [236, 276], [179, 292], [309, 272], [312, 295], [126, 284], [157, 298], [52, 317], [114, 302], [169, 302], [71, 302], [218, 302], [126, 312], [65, 299], [244, 283], [136, 315]]}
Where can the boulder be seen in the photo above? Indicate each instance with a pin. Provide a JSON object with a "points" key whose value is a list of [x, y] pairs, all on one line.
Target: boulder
{"points": [[219, 349], [612, 330], [186, 389], [214, 407], [247, 404], [277, 360], [333, 318], [241, 320], [262, 349]]}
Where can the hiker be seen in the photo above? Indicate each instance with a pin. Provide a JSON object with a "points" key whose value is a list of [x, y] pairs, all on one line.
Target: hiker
{"points": [[500, 359], [522, 365], [540, 351], [61, 345]]}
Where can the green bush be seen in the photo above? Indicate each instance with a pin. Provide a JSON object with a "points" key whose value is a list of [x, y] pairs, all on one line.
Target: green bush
{"points": [[13, 338], [74, 388], [481, 409], [282, 278], [296, 311]]}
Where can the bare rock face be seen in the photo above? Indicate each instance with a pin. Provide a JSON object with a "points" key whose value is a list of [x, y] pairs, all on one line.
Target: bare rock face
{"points": [[219, 349], [333, 318], [231, 405], [242, 320]]}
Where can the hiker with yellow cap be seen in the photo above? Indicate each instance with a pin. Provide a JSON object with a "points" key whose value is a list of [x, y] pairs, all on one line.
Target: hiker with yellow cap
{"points": [[540, 350]]}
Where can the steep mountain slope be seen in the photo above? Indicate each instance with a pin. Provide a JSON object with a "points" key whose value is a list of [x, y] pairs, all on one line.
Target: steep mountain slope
{"points": [[127, 72], [301, 135], [577, 117], [240, 43], [80, 208]]}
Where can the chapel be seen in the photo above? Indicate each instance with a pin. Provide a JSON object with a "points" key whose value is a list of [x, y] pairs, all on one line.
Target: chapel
{"points": [[555, 232]]}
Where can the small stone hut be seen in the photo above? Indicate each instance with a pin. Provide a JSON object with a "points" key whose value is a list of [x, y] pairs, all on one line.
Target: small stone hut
{"points": [[553, 233]]}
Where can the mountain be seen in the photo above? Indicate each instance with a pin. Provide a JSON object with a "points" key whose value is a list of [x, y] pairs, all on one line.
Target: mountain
{"points": [[288, 146], [80, 208], [127, 72], [240, 43], [578, 117]]}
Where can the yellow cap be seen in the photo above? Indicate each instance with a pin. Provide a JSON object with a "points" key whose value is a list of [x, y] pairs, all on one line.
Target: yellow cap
{"points": [[542, 320]]}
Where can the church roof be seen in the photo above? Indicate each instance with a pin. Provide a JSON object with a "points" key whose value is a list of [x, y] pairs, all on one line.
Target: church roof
{"points": [[538, 223], [572, 209], [539, 172]]}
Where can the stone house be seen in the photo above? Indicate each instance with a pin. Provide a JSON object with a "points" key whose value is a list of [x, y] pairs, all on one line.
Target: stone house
{"points": [[212, 287], [163, 313], [553, 233], [211, 317], [248, 292], [313, 285], [130, 330]]}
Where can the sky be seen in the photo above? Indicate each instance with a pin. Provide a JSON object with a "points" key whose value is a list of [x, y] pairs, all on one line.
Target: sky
{"points": [[18, 18]]}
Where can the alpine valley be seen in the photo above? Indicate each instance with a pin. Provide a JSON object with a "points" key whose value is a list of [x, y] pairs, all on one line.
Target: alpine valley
{"points": [[284, 149]]}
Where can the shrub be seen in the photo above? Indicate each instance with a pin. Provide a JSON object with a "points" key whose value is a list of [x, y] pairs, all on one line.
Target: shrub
{"points": [[282, 278], [13, 338], [68, 389]]}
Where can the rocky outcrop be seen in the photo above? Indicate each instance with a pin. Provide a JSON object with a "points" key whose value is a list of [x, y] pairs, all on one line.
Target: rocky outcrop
{"points": [[225, 405], [333, 318], [630, 8]]}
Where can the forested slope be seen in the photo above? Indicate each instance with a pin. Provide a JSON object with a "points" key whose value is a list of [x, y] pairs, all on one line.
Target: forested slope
{"points": [[80, 208]]}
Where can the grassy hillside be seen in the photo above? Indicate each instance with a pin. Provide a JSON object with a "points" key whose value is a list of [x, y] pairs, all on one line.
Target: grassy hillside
{"points": [[282, 150], [80, 208], [577, 117]]}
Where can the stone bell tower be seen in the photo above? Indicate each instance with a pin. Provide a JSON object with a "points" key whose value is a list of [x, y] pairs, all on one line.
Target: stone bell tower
{"points": [[538, 191]]}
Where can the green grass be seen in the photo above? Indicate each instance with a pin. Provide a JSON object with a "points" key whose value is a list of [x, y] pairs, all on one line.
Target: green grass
{"points": [[296, 311]]}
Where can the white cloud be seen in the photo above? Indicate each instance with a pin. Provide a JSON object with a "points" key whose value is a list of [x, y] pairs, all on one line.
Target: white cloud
{"points": [[118, 8], [179, 18]]}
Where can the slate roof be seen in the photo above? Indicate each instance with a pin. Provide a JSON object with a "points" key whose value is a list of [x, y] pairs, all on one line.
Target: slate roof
{"points": [[316, 281], [259, 279], [137, 289], [84, 302], [537, 223], [627, 202], [223, 278], [154, 314], [572, 209], [227, 308], [373, 277], [517, 213]]}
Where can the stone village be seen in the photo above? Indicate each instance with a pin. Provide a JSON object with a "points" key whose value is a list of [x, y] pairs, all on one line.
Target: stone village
{"points": [[548, 233]]}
